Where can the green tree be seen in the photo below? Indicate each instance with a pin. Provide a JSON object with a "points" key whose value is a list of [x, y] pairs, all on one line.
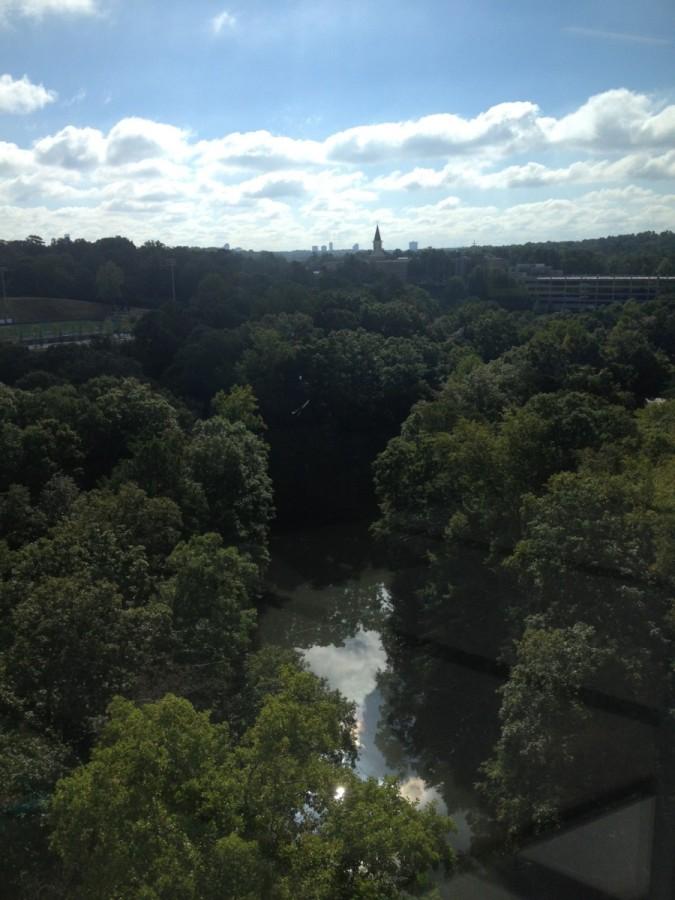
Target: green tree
{"points": [[635, 363], [594, 567], [144, 816], [544, 723], [20, 521], [109, 282], [171, 806], [121, 412], [211, 594], [80, 618], [75, 643], [547, 434], [586, 555], [30, 765], [239, 405], [213, 302], [230, 464], [426, 484], [665, 268]]}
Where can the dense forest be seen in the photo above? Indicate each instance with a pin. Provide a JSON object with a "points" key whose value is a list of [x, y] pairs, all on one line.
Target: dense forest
{"points": [[149, 747], [114, 270]]}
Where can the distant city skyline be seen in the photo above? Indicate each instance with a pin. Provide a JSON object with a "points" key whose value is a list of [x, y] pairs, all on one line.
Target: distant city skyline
{"points": [[273, 124]]}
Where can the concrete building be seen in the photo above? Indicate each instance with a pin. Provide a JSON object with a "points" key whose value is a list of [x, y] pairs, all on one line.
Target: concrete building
{"points": [[554, 292], [413, 246], [534, 270]]}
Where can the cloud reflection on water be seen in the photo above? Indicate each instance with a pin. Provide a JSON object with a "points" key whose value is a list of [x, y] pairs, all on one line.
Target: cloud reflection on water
{"points": [[352, 669]]}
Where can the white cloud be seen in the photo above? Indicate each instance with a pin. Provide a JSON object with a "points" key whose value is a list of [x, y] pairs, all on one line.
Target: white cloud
{"points": [[14, 160], [224, 21], [258, 150], [132, 141], [634, 166], [613, 120], [21, 96], [77, 97], [507, 126], [72, 148], [38, 9], [29, 189], [275, 186], [606, 211], [135, 139], [631, 38], [151, 179], [532, 174], [416, 180], [271, 224]]}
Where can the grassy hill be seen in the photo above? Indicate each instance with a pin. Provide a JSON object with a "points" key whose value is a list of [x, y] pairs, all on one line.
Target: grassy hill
{"points": [[44, 318], [34, 310]]}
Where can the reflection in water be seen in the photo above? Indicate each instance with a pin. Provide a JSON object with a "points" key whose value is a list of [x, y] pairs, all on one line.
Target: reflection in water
{"points": [[417, 652], [338, 626], [352, 667]]}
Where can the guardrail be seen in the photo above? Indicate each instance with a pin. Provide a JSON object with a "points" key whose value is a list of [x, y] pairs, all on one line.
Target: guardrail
{"points": [[41, 341]]}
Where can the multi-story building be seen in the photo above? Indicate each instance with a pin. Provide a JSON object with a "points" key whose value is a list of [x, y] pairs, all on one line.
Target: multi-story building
{"points": [[534, 270], [583, 291]]}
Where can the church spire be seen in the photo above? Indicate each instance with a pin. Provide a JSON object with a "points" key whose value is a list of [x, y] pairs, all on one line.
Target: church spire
{"points": [[377, 243]]}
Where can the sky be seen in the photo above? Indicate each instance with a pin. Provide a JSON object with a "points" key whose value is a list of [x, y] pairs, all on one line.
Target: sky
{"points": [[280, 125]]}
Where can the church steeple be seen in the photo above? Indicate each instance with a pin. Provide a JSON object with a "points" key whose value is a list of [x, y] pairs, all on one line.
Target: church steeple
{"points": [[377, 243]]}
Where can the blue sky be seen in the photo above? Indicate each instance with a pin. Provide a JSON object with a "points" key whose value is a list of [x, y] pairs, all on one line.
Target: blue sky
{"points": [[280, 125]]}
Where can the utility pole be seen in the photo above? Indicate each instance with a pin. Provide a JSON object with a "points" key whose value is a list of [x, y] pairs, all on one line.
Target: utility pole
{"points": [[5, 310], [171, 263]]}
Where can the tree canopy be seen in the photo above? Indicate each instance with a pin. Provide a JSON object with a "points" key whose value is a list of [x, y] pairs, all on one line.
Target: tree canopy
{"points": [[171, 805]]}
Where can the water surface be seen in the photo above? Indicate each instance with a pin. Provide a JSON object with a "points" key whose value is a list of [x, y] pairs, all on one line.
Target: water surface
{"points": [[430, 716]]}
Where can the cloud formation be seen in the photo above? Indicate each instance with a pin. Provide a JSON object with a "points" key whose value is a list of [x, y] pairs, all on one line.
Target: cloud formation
{"points": [[39, 9], [71, 148], [507, 126], [631, 38], [509, 173], [20, 96], [613, 120], [224, 21], [642, 166]]}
